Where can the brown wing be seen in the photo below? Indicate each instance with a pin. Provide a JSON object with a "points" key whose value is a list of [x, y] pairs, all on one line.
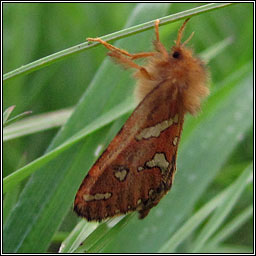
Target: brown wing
{"points": [[137, 168]]}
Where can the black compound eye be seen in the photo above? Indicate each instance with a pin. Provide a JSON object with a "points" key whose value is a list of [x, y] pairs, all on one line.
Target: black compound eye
{"points": [[176, 55]]}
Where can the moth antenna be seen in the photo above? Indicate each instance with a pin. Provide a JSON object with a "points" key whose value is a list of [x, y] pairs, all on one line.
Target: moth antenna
{"points": [[188, 39], [181, 31]]}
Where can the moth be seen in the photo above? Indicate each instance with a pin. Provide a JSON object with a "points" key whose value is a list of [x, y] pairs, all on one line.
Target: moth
{"points": [[137, 168]]}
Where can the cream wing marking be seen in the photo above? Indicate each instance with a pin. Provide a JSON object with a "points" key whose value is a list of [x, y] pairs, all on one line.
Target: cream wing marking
{"points": [[175, 140], [155, 131], [120, 173], [159, 160], [97, 196]]}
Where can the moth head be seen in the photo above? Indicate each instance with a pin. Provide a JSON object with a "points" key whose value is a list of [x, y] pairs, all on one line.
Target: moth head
{"points": [[182, 58], [189, 73], [179, 51]]}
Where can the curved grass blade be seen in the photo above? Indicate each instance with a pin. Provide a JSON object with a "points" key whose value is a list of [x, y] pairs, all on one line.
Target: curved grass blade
{"points": [[43, 62]]}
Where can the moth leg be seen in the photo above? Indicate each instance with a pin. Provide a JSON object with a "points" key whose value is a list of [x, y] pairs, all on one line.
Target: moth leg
{"points": [[128, 63], [121, 55], [111, 47], [158, 45]]}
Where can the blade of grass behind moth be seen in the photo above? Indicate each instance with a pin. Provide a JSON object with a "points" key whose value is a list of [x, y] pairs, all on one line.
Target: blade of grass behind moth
{"points": [[216, 49]]}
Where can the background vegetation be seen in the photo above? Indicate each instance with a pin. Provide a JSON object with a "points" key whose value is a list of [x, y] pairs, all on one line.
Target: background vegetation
{"points": [[210, 206]]}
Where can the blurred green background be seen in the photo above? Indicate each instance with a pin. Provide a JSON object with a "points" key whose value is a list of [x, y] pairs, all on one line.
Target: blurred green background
{"points": [[33, 31]]}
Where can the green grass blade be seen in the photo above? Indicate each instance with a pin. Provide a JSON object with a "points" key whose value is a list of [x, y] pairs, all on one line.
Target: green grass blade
{"points": [[77, 236], [10, 200], [7, 113], [43, 62], [16, 118], [94, 237], [181, 234], [225, 208], [232, 226], [110, 233], [60, 236], [35, 124]]}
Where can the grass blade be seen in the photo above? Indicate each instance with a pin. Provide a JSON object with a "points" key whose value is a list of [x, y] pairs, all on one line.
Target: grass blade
{"points": [[109, 234], [225, 208], [77, 236], [43, 62], [231, 227], [35, 124], [7, 113]]}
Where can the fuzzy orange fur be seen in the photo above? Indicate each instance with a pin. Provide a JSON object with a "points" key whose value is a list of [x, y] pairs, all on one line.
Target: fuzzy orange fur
{"points": [[186, 73]]}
